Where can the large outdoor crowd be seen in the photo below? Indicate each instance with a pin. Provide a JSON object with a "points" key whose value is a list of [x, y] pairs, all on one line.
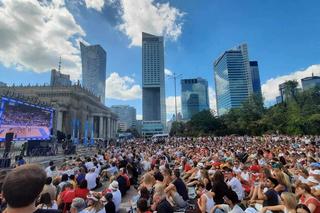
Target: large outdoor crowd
{"points": [[208, 175]]}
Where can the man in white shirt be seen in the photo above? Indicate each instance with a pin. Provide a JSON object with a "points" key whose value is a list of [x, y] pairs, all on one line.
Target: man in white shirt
{"points": [[91, 178], [114, 187], [89, 164], [234, 183]]}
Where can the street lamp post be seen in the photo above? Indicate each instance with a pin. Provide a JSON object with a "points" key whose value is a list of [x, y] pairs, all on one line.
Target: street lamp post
{"points": [[174, 77]]}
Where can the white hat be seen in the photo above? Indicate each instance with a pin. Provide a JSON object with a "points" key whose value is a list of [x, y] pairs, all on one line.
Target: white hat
{"points": [[114, 185], [200, 165], [312, 179]]}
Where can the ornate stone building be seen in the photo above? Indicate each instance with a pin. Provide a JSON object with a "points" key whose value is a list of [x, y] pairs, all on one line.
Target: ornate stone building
{"points": [[76, 109]]}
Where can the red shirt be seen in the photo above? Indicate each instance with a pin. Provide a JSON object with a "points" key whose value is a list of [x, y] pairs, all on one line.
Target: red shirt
{"points": [[82, 193], [187, 167], [67, 196]]}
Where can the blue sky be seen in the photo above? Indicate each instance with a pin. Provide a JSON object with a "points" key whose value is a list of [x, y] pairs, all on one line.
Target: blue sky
{"points": [[283, 35]]}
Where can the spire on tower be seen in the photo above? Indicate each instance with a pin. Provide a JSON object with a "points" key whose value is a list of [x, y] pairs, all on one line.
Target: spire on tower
{"points": [[59, 67]]}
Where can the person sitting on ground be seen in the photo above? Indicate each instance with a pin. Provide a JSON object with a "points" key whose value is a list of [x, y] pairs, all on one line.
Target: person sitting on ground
{"points": [[94, 204], [160, 203], [205, 201], [66, 196], [21, 188], [301, 208], [142, 206], [219, 187], [45, 202], [77, 205], [177, 190], [303, 192], [269, 198], [289, 204], [82, 191], [49, 188], [109, 206], [231, 206], [91, 177]]}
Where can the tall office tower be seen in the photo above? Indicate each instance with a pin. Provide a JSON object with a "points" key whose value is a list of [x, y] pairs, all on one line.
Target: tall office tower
{"points": [[93, 60], [255, 77], [194, 96], [59, 79], [310, 82], [126, 116], [232, 77], [153, 89]]}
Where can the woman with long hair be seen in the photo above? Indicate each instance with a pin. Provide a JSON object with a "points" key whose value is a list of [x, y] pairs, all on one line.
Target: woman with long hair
{"points": [[45, 202], [289, 204], [219, 187], [303, 192], [205, 201]]}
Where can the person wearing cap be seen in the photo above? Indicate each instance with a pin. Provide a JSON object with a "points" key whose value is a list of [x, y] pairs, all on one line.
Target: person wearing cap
{"points": [[231, 204], [95, 204], [77, 205], [114, 189]]}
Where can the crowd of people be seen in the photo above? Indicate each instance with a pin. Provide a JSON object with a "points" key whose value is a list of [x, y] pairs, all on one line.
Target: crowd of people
{"points": [[208, 175], [26, 116]]}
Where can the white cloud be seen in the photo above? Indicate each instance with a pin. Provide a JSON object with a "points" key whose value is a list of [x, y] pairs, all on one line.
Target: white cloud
{"points": [[212, 99], [148, 16], [122, 88], [270, 89], [170, 105], [139, 117], [167, 72], [95, 4], [34, 34]]}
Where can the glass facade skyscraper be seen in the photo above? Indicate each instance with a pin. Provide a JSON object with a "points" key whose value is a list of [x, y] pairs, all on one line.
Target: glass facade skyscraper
{"points": [[94, 61], [194, 96], [233, 80], [126, 116], [255, 77], [153, 89]]}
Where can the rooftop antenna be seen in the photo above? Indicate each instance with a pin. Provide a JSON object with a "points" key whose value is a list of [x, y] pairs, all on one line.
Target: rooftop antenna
{"points": [[59, 67]]}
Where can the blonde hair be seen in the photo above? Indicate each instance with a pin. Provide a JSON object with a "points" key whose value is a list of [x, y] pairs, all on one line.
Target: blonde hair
{"points": [[148, 179], [281, 177], [289, 200]]}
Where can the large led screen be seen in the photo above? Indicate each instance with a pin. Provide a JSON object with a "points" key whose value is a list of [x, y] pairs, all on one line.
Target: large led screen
{"points": [[26, 121]]}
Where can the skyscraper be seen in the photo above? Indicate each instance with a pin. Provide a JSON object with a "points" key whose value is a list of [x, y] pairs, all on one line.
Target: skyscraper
{"points": [[255, 77], [233, 81], [59, 79], [93, 60], [153, 89], [194, 96], [126, 116]]}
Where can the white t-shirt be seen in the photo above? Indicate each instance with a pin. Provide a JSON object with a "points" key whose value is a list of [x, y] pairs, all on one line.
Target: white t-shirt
{"points": [[89, 165], [91, 178], [116, 199], [146, 165], [236, 208], [237, 187], [93, 211]]}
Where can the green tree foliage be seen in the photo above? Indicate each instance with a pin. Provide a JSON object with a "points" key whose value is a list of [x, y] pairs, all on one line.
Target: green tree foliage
{"points": [[298, 115]]}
